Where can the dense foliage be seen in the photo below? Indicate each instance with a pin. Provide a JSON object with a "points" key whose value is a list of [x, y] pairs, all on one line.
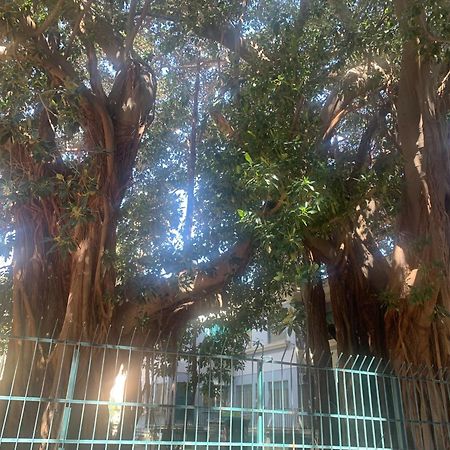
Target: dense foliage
{"points": [[266, 134], [161, 161]]}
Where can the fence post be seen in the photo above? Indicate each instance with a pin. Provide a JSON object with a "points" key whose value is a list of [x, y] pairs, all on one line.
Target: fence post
{"points": [[69, 396], [260, 405]]}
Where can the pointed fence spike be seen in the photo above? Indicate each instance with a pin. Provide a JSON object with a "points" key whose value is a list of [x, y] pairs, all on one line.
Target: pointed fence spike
{"points": [[108, 332], [79, 337], [292, 355], [403, 369], [168, 341], [322, 353], [120, 335], [352, 362], [346, 364], [132, 337], [144, 344], [54, 329], [285, 350], [96, 332], [361, 366], [255, 348], [39, 326]]}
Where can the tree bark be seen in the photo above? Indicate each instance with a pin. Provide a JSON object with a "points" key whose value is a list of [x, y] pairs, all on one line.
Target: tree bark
{"points": [[317, 343], [319, 359], [357, 278], [418, 328]]}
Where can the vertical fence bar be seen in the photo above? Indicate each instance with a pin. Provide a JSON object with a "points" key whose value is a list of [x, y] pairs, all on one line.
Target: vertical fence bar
{"points": [[97, 402], [85, 394], [335, 374], [219, 390], [346, 403], [69, 395], [58, 383], [41, 395], [398, 408], [260, 405], [360, 394], [9, 400], [371, 409], [27, 389], [318, 402], [254, 403], [362, 399], [378, 407], [197, 409]]}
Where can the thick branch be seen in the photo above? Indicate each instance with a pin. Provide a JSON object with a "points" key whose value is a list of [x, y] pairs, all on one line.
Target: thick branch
{"points": [[322, 249], [185, 288], [131, 104], [107, 38], [363, 152], [51, 18], [429, 34], [302, 16], [132, 30], [344, 14], [226, 35], [357, 83], [76, 28], [444, 91], [94, 75]]}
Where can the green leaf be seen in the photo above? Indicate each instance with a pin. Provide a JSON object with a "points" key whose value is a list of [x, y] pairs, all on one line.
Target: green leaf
{"points": [[248, 158]]}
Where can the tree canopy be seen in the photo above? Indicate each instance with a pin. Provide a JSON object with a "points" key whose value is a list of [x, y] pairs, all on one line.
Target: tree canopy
{"points": [[283, 106], [164, 159]]}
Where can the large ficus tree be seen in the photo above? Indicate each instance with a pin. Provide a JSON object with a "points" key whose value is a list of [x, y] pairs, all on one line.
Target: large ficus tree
{"points": [[322, 126], [77, 99], [362, 174]]}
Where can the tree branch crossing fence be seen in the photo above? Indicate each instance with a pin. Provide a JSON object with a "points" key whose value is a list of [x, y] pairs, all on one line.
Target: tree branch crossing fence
{"points": [[93, 396]]}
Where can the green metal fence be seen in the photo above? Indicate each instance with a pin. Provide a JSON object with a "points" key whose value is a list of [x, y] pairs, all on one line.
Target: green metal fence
{"points": [[78, 395]]}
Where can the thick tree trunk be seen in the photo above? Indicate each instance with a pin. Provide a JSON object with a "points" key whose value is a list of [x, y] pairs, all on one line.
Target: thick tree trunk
{"points": [[357, 278], [317, 343], [322, 389], [39, 292], [418, 327], [72, 297], [91, 295]]}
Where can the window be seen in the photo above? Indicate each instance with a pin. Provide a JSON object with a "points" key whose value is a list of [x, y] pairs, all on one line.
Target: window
{"points": [[278, 394], [243, 396], [216, 395]]}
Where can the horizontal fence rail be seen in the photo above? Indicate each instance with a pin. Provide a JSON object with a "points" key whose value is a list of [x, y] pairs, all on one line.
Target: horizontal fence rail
{"points": [[79, 395]]}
